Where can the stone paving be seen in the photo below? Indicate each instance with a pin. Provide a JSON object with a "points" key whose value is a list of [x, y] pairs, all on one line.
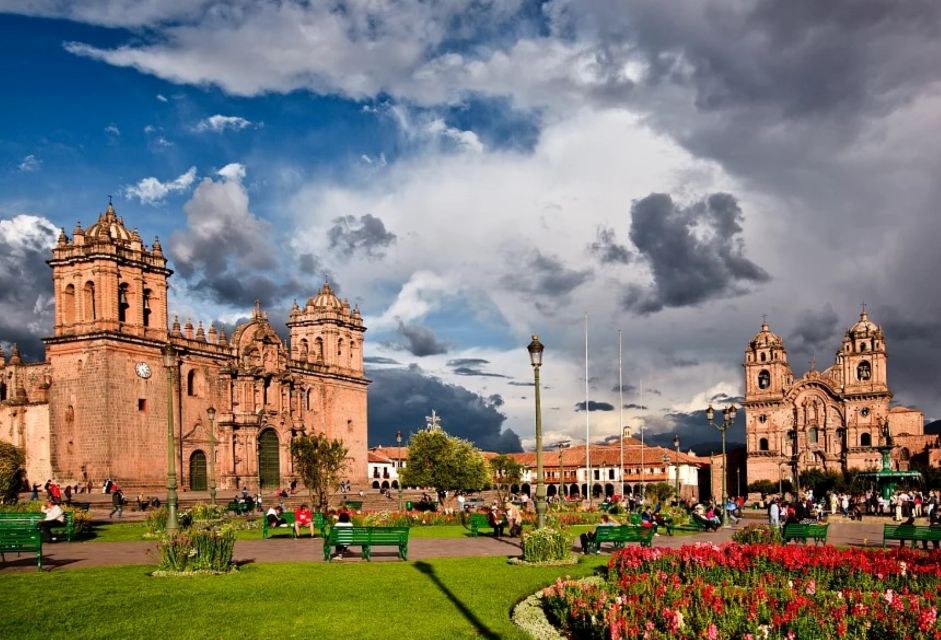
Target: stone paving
{"points": [[79, 555]]}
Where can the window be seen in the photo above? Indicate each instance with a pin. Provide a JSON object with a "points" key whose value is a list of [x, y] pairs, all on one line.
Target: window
{"points": [[762, 418], [763, 356], [339, 348], [89, 301], [266, 389], [763, 444], [142, 404], [318, 348], [865, 440], [610, 474], [191, 382], [862, 346], [764, 379], [145, 307], [303, 351], [3, 391], [865, 412], [812, 436], [68, 305], [597, 475], [864, 371], [122, 302], [310, 393]]}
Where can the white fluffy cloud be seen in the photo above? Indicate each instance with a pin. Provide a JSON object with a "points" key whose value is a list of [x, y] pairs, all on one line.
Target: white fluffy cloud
{"points": [[30, 163], [152, 191], [219, 123]]}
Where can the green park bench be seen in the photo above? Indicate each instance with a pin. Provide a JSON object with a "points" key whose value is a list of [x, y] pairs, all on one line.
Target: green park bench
{"points": [[38, 516], [619, 536], [915, 533], [797, 531], [288, 516], [240, 508], [477, 521], [366, 538], [20, 535]]}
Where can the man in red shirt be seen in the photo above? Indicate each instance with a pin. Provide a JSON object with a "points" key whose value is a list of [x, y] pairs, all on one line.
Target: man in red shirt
{"points": [[303, 518]]}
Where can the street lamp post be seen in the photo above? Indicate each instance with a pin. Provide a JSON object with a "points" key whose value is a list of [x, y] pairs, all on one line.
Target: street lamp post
{"points": [[565, 444], [398, 471], [169, 361], [676, 462], [211, 412], [535, 349], [728, 419], [624, 431]]}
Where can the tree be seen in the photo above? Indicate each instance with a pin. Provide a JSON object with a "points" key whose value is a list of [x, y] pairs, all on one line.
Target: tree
{"points": [[447, 463], [12, 460], [505, 472], [660, 492], [320, 462]]}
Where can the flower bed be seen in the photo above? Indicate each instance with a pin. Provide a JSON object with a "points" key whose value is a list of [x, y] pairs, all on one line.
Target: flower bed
{"points": [[754, 592]]}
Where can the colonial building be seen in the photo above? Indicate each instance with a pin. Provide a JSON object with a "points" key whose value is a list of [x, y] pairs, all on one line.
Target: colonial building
{"points": [[830, 420], [98, 406]]}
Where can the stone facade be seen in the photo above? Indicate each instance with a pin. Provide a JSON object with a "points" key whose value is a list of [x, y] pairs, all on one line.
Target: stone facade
{"points": [[98, 406], [832, 419]]}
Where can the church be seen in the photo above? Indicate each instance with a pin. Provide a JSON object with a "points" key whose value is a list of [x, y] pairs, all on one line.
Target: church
{"points": [[832, 420], [118, 375]]}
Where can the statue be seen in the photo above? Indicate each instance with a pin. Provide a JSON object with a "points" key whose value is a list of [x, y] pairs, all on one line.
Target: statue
{"points": [[886, 435]]}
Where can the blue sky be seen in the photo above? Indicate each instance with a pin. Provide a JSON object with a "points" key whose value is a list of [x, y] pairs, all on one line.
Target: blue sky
{"points": [[471, 173]]}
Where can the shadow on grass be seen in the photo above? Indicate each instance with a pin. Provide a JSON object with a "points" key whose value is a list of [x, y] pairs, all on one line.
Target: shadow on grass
{"points": [[482, 630]]}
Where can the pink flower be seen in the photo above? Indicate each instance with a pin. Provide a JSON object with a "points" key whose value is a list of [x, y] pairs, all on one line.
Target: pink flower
{"points": [[712, 632]]}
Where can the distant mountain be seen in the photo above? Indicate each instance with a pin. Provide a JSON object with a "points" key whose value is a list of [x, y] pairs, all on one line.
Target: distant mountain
{"points": [[933, 428]]}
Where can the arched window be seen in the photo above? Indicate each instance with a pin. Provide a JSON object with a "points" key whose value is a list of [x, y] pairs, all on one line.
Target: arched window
{"points": [[763, 444], [145, 307], [68, 305], [865, 440], [864, 371], [318, 348], [191, 382], [339, 350], [3, 391], [862, 346], [123, 304], [310, 399], [764, 379], [302, 351], [266, 391], [763, 356], [812, 435], [88, 301]]}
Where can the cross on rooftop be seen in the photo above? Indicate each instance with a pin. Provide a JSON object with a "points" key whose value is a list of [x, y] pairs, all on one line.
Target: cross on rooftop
{"points": [[433, 422]]}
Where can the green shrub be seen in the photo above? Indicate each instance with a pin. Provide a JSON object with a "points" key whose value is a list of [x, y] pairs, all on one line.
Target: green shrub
{"points": [[545, 545], [197, 549], [757, 534], [12, 459], [157, 521], [81, 521]]}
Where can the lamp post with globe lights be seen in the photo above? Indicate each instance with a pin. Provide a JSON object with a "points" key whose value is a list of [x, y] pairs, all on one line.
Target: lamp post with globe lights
{"points": [[676, 462], [398, 472], [728, 419], [211, 412], [169, 361], [535, 349]]}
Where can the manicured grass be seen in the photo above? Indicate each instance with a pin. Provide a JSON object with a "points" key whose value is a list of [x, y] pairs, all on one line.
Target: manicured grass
{"points": [[452, 598]]}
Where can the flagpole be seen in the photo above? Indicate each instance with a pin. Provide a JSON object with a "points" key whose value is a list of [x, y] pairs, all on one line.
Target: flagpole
{"points": [[621, 411], [643, 486], [587, 421]]}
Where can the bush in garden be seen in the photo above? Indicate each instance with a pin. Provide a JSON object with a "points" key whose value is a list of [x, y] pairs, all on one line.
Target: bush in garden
{"points": [[758, 534], [197, 549], [81, 521], [545, 545]]}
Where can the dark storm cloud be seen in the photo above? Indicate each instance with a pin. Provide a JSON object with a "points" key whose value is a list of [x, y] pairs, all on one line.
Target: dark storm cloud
{"points": [[472, 371], [725, 398], [683, 362], [544, 279], [467, 362], [26, 298], [626, 388], [816, 331], [472, 367], [594, 406], [695, 253], [693, 430], [379, 360], [607, 249], [401, 398], [366, 235], [634, 405], [420, 341]]}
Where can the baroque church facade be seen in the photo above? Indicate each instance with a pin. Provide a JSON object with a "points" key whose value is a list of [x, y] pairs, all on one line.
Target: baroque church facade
{"points": [[830, 420], [98, 406]]}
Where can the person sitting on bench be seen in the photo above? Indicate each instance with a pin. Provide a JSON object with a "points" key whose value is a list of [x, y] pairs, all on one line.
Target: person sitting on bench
{"points": [[589, 536], [303, 518], [54, 516], [497, 521], [274, 517]]}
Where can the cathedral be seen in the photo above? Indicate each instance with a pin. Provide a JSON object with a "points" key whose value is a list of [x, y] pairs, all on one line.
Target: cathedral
{"points": [[829, 420], [118, 376]]}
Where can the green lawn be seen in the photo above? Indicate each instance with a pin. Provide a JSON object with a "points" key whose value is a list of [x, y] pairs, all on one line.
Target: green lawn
{"points": [[453, 598]]}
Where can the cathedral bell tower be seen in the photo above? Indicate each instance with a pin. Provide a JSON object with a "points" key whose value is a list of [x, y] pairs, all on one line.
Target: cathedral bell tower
{"points": [[328, 333], [862, 358], [767, 370]]}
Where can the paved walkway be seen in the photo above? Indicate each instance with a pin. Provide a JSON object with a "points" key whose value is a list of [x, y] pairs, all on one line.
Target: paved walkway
{"points": [[80, 555]]}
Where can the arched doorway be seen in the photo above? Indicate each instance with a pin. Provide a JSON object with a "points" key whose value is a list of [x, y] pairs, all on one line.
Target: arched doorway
{"points": [[375, 484], [525, 489], [269, 460], [198, 471], [608, 490], [550, 491], [573, 490], [384, 485]]}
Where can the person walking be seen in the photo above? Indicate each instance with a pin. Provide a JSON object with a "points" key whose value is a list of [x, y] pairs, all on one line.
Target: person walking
{"points": [[117, 501]]}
